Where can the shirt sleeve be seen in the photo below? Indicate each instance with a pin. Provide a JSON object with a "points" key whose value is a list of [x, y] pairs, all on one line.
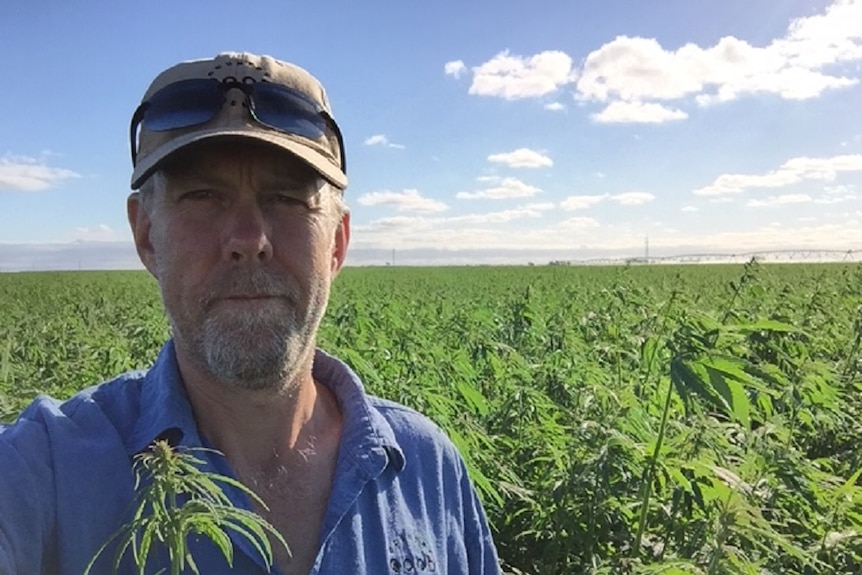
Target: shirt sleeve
{"points": [[26, 499]]}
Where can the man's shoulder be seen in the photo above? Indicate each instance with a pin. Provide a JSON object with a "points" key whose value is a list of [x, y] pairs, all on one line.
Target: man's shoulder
{"points": [[59, 438], [401, 416], [412, 428], [113, 399]]}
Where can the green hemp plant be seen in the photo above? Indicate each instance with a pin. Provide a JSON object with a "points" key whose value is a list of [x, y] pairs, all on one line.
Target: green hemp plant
{"points": [[175, 499]]}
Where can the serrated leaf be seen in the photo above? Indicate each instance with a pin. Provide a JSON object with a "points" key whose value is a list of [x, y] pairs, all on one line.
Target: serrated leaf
{"points": [[473, 397], [732, 396]]}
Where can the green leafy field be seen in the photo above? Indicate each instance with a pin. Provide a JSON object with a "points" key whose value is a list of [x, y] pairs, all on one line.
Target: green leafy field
{"points": [[657, 419]]}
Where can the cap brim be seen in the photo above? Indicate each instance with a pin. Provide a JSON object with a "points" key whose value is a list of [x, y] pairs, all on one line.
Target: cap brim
{"points": [[291, 144]]}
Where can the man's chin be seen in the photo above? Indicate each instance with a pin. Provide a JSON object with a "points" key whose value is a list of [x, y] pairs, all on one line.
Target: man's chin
{"points": [[254, 359], [251, 325], [252, 382], [263, 312]]}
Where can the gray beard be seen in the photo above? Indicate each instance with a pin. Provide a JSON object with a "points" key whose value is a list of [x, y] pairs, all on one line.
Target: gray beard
{"points": [[255, 351]]}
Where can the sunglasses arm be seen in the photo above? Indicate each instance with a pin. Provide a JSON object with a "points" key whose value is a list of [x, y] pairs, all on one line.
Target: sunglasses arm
{"points": [[137, 118], [331, 121]]}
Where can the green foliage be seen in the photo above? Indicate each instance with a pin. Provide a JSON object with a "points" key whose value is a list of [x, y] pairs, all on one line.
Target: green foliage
{"points": [[654, 419], [176, 499]]}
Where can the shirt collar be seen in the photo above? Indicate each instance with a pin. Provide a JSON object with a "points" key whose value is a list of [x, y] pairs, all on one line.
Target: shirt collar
{"points": [[366, 435], [165, 412]]}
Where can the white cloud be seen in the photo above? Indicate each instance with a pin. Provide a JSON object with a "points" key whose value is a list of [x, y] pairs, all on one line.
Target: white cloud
{"points": [[632, 198], [689, 209], [840, 190], [99, 233], [406, 201], [402, 224], [555, 107], [573, 203], [454, 68], [633, 75], [579, 224], [514, 77], [381, 140], [528, 211], [508, 188], [827, 38], [636, 70], [396, 224], [792, 171], [837, 194], [632, 69], [833, 199], [522, 158], [637, 113], [27, 174], [542, 206], [781, 200]]}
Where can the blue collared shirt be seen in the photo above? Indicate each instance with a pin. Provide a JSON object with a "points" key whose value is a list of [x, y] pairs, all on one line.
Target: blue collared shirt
{"points": [[401, 502]]}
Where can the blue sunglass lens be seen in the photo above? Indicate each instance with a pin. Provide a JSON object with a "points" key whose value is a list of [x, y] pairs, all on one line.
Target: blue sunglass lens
{"points": [[192, 102], [287, 111], [183, 104]]}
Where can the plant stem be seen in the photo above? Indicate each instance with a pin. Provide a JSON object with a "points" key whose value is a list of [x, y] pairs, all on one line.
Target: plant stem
{"points": [[646, 485], [720, 537]]}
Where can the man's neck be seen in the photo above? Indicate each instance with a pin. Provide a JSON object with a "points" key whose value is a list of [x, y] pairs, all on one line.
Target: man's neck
{"points": [[262, 431], [282, 444]]}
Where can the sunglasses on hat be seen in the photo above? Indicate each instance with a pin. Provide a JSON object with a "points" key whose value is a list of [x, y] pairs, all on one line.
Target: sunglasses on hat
{"points": [[196, 101]]}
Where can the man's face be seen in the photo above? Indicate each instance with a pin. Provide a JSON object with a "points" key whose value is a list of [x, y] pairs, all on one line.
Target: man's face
{"points": [[244, 244]]}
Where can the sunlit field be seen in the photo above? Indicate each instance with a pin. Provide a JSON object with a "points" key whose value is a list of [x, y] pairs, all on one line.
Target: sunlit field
{"points": [[641, 419]]}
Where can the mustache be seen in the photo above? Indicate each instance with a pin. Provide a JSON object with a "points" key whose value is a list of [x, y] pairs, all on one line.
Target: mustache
{"points": [[250, 284]]}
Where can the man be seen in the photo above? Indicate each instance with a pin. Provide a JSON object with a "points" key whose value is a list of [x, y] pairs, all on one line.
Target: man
{"points": [[240, 171]]}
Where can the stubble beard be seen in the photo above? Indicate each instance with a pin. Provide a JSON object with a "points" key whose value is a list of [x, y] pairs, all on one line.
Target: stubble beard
{"points": [[264, 348]]}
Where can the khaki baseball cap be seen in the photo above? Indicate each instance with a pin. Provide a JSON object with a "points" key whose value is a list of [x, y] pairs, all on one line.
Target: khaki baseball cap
{"points": [[325, 153]]}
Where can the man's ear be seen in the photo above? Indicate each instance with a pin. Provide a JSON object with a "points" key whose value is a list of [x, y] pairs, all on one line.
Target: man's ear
{"points": [[339, 248], [141, 224]]}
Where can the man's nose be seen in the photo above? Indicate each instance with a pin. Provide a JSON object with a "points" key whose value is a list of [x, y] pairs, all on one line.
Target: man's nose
{"points": [[249, 235]]}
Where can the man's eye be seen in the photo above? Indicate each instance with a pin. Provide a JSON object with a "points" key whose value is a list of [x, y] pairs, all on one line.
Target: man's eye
{"points": [[290, 200], [199, 195]]}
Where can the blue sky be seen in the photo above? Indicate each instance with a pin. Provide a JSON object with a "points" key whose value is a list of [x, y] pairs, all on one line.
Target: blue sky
{"points": [[476, 132]]}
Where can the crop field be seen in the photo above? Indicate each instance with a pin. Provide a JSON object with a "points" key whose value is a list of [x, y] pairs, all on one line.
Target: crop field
{"points": [[642, 419]]}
